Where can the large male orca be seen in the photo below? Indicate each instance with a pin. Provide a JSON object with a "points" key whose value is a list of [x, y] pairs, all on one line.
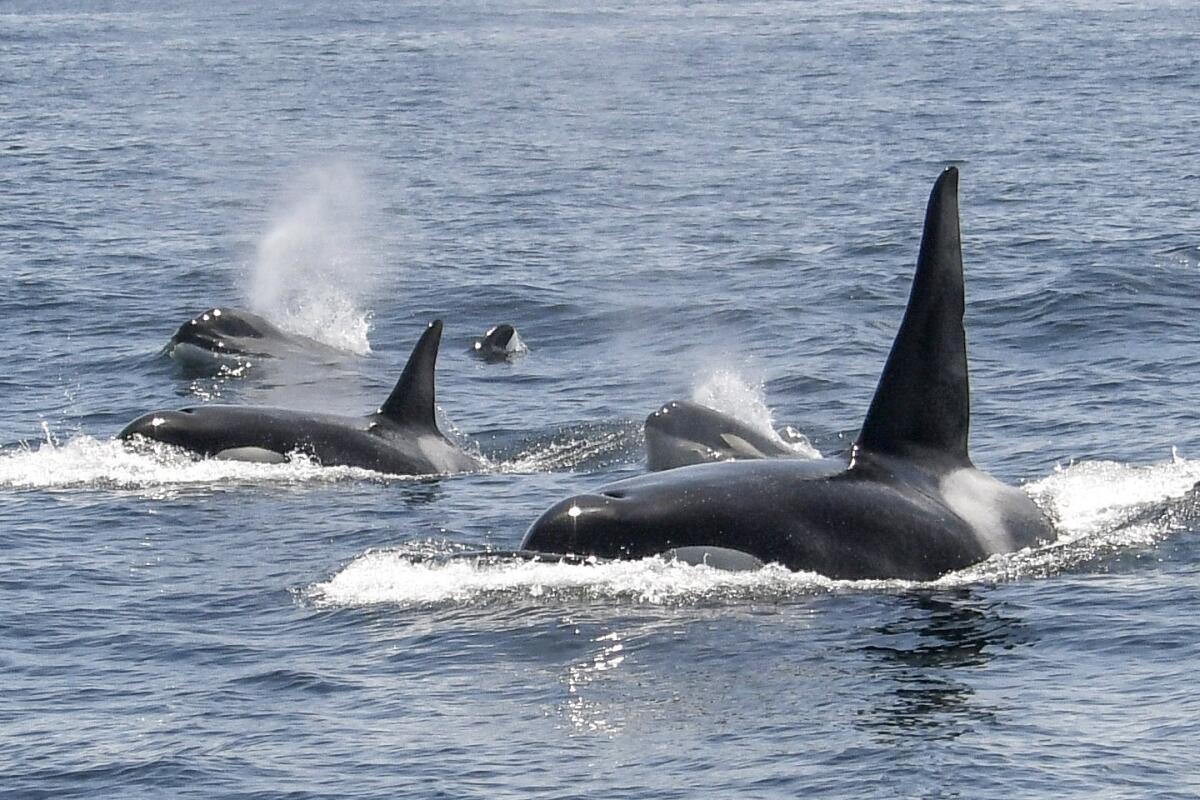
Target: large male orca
{"points": [[905, 501], [681, 433], [401, 438], [232, 335]]}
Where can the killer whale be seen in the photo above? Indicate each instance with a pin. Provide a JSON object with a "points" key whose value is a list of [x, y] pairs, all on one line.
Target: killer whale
{"points": [[905, 502], [499, 343], [224, 335], [400, 438], [682, 432]]}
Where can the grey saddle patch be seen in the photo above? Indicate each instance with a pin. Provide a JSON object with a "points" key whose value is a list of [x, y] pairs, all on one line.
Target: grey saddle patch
{"points": [[725, 558], [741, 446], [257, 455]]}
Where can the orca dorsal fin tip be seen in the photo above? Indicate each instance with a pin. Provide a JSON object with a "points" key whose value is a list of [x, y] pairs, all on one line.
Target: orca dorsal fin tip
{"points": [[412, 400], [922, 402]]}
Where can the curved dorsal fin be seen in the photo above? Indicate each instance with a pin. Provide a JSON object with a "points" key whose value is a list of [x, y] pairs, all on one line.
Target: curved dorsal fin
{"points": [[922, 403], [411, 402]]}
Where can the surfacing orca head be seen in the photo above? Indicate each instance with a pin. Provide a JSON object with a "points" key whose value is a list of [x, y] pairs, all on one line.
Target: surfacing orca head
{"points": [[683, 432], [222, 331], [498, 344]]}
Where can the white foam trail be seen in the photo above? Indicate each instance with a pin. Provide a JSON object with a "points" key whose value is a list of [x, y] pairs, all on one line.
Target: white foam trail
{"points": [[725, 391], [314, 266], [87, 463], [393, 577], [1096, 503], [568, 453]]}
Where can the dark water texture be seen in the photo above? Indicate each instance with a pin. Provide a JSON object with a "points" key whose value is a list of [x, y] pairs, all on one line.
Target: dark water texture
{"points": [[650, 192]]}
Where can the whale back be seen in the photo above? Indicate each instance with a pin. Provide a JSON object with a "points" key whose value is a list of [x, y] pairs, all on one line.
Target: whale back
{"points": [[411, 403], [922, 404]]}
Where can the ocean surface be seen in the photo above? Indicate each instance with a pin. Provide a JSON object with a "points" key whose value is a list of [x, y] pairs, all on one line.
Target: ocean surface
{"points": [[719, 201]]}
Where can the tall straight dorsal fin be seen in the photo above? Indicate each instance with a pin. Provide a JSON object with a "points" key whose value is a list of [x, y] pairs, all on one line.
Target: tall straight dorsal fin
{"points": [[922, 404], [411, 402]]}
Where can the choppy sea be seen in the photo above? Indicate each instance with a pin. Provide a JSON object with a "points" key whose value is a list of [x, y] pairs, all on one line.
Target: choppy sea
{"points": [[709, 200]]}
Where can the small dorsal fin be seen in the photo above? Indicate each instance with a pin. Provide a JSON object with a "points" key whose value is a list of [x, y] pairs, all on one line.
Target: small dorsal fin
{"points": [[922, 403], [411, 402]]}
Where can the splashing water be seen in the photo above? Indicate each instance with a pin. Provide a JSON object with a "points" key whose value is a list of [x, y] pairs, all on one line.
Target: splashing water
{"points": [[1091, 497], [1101, 507], [84, 462], [314, 267], [395, 577], [725, 391]]}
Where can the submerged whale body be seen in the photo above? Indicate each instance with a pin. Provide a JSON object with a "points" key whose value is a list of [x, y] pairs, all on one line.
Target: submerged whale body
{"points": [[906, 502], [681, 433], [401, 438], [500, 343], [223, 335]]}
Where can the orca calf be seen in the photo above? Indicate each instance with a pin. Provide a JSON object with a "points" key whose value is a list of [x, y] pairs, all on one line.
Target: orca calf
{"points": [[500, 343], [906, 502], [401, 438], [681, 433], [225, 335]]}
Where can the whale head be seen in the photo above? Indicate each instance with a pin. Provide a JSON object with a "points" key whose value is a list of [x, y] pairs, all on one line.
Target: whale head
{"points": [[220, 332], [500, 343]]}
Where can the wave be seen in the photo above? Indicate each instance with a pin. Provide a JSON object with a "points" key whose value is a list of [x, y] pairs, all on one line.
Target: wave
{"points": [[84, 462], [1188, 254], [401, 577]]}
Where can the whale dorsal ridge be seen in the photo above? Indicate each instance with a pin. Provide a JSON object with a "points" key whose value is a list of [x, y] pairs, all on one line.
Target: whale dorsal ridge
{"points": [[411, 402], [922, 403]]}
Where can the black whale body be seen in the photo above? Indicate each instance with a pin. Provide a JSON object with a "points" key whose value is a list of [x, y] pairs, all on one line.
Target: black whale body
{"points": [[222, 335], [906, 501], [681, 433], [499, 343], [401, 438]]}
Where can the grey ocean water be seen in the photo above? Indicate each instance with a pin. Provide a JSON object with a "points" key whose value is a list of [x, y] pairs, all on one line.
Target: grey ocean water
{"points": [[669, 199]]}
